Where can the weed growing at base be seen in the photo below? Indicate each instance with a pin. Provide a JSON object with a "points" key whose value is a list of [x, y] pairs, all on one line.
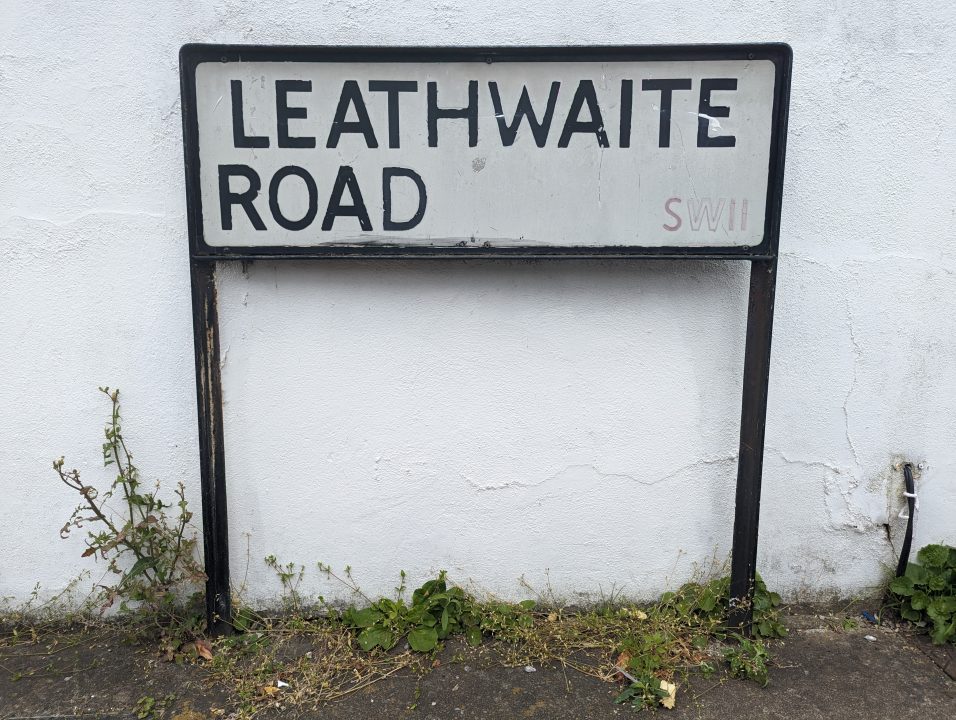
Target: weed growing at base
{"points": [[151, 576], [748, 660], [926, 593], [436, 612], [300, 658], [146, 543]]}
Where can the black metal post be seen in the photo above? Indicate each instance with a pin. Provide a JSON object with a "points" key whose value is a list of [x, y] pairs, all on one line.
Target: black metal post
{"points": [[753, 423], [212, 466]]}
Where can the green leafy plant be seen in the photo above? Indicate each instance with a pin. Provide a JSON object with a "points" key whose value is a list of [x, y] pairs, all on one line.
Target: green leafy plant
{"points": [[644, 692], [646, 652], [848, 624], [504, 619], [290, 576], [145, 541], [150, 708], [926, 593], [710, 603], [748, 659], [436, 611], [145, 707]]}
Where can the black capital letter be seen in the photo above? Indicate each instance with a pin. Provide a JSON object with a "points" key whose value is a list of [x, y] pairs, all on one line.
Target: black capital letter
{"points": [[584, 94], [667, 88], [310, 213], [393, 88], [351, 95], [627, 103], [239, 137], [387, 175], [436, 113], [346, 178], [705, 108], [228, 198], [524, 109], [284, 113]]}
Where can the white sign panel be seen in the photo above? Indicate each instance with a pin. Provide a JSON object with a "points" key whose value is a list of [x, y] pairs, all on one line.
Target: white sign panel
{"points": [[291, 152]]}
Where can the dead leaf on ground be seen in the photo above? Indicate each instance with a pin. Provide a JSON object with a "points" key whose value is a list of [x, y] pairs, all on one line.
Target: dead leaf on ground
{"points": [[671, 690], [622, 662], [203, 649]]}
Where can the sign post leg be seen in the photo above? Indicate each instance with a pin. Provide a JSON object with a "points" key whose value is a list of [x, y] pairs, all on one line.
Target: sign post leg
{"points": [[211, 451], [753, 422]]}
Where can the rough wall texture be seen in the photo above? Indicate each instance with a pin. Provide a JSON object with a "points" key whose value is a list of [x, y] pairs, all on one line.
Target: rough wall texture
{"points": [[572, 424]]}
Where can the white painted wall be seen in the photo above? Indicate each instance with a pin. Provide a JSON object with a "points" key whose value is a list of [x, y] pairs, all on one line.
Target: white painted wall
{"points": [[568, 423]]}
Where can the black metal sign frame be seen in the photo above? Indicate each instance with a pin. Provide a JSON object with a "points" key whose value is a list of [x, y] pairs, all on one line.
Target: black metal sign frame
{"points": [[203, 259]]}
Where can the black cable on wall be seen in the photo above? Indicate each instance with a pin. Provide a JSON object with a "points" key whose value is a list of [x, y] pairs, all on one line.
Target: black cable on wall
{"points": [[910, 494]]}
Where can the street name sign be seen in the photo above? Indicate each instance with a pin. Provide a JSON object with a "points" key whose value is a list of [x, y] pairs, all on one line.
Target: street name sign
{"points": [[529, 151]]}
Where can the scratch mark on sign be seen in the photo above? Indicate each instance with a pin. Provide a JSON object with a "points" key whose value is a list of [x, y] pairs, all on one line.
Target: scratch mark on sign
{"points": [[600, 173], [683, 154], [714, 123]]}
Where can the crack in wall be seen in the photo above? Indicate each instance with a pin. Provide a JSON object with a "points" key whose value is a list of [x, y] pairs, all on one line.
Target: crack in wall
{"points": [[857, 354], [837, 481], [802, 462], [593, 471]]}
